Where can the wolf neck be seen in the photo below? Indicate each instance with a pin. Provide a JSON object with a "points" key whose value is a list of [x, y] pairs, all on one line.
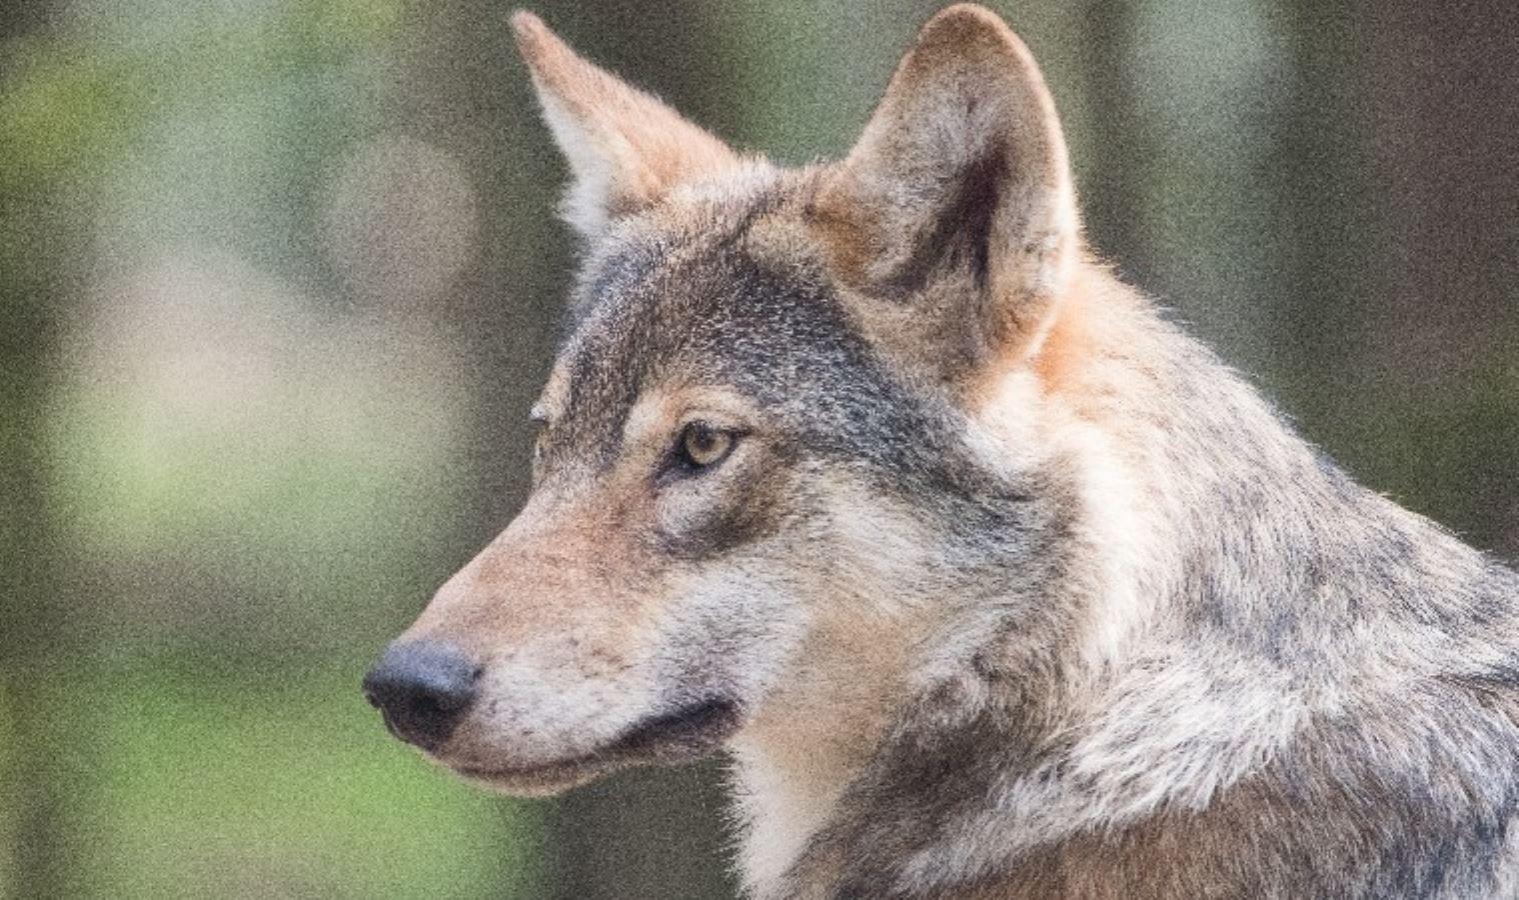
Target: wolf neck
{"points": [[795, 761], [1191, 550], [1103, 404]]}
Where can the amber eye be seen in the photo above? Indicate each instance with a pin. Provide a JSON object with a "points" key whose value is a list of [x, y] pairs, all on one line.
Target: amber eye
{"points": [[702, 446]]}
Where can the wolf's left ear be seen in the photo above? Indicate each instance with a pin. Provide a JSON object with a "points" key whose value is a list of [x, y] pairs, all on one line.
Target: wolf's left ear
{"points": [[956, 207], [626, 149]]}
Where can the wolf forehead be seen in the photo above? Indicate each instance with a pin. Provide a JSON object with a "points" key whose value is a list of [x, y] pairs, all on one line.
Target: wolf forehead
{"points": [[737, 294], [713, 294]]}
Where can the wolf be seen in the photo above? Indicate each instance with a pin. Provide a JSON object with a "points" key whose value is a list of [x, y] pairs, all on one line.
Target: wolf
{"points": [[988, 579]]}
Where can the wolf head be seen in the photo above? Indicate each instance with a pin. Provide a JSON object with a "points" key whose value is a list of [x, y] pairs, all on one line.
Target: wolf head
{"points": [[767, 486]]}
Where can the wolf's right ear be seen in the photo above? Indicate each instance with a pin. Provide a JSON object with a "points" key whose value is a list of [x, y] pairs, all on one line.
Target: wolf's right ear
{"points": [[956, 209], [625, 148]]}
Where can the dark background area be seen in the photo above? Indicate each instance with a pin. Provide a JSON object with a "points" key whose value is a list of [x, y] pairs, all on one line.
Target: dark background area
{"points": [[280, 279]]}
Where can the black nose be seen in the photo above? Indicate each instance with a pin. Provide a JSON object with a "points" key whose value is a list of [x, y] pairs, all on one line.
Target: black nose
{"points": [[422, 688]]}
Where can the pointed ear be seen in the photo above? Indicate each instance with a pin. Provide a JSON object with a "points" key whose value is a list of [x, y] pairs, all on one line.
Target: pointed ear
{"points": [[626, 149], [957, 204]]}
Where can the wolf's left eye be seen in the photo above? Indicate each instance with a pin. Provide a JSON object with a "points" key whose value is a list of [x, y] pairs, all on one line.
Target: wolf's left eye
{"points": [[702, 446]]}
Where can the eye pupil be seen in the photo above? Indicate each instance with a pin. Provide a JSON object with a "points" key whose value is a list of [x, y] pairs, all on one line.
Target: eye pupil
{"points": [[702, 445]]}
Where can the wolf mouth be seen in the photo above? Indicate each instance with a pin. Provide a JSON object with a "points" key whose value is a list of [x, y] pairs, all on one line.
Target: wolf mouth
{"points": [[684, 733]]}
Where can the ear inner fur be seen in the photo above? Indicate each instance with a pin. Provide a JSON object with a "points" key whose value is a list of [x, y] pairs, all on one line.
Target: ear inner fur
{"points": [[957, 197], [625, 148]]}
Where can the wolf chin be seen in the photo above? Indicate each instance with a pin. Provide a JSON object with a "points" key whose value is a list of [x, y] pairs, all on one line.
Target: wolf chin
{"points": [[989, 580]]}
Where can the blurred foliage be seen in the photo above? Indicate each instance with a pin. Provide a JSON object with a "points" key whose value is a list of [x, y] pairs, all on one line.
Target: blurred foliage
{"points": [[234, 479], [208, 788], [81, 101]]}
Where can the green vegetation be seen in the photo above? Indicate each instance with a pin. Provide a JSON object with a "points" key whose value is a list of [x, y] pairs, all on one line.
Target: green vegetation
{"points": [[207, 785]]}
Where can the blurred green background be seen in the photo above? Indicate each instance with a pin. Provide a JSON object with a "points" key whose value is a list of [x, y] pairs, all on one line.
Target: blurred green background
{"points": [[279, 279]]}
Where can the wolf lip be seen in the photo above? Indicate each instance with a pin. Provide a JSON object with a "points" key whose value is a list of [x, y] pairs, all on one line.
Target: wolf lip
{"points": [[683, 733], [693, 728]]}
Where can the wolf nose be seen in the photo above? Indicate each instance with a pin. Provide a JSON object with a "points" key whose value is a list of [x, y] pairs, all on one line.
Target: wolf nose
{"points": [[422, 688]]}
